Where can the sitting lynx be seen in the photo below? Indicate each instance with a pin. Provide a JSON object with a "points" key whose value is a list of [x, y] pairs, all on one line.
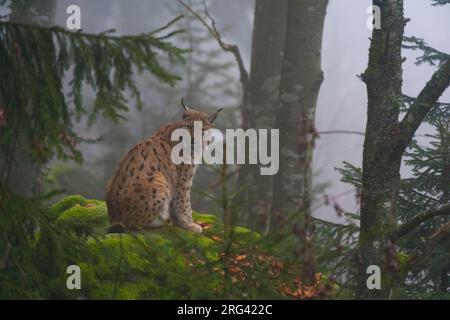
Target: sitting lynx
{"points": [[148, 189]]}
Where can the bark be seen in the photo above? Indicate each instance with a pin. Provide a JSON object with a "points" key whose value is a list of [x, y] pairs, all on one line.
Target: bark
{"points": [[299, 88], [260, 104], [20, 172], [381, 166], [385, 142]]}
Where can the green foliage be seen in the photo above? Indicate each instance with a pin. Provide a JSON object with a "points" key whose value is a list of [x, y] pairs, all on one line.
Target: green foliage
{"points": [[440, 110], [350, 174], [440, 2], [83, 216], [430, 55], [35, 61], [162, 263], [35, 249], [428, 187]]}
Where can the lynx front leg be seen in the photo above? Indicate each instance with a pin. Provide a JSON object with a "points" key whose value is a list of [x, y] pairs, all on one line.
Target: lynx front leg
{"points": [[182, 212]]}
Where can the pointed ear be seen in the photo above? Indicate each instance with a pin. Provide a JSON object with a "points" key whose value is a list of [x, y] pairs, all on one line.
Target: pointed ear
{"points": [[185, 108], [213, 116]]}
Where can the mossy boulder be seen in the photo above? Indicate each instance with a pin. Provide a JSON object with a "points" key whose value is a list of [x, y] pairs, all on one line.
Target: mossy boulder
{"points": [[82, 215], [161, 263]]}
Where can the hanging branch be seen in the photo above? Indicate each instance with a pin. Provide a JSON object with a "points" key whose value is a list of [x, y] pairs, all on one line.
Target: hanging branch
{"points": [[430, 55], [35, 60]]}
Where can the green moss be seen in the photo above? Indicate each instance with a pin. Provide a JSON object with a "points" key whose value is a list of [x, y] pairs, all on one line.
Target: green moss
{"points": [[84, 216], [160, 263], [246, 234], [68, 202]]}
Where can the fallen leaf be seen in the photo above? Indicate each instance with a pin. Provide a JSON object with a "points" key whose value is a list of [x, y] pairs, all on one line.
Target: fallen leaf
{"points": [[240, 257], [205, 225], [216, 238]]}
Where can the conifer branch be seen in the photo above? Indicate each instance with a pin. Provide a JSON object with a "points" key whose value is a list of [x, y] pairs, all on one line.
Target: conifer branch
{"points": [[439, 236], [425, 101], [426, 215]]}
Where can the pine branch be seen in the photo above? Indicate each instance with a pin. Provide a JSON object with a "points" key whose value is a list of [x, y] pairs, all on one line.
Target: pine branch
{"points": [[151, 36], [439, 236], [439, 110], [410, 225], [430, 55], [425, 101], [440, 2], [35, 60]]}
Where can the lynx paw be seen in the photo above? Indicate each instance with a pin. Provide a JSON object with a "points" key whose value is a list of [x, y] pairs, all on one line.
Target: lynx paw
{"points": [[193, 227]]}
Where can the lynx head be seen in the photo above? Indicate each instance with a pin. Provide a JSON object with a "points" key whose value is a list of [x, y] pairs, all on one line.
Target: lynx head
{"points": [[192, 115]]}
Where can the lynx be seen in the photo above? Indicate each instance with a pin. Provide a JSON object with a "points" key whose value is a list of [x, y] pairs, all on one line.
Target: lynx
{"points": [[148, 189]]}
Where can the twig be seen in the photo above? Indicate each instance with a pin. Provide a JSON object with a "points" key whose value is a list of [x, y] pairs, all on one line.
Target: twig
{"points": [[360, 133], [332, 198], [341, 132], [212, 29]]}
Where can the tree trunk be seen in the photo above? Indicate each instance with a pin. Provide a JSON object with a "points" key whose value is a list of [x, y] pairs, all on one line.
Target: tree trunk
{"points": [[300, 83], [19, 171], [260, 103], [382, 155], [299, 88]]}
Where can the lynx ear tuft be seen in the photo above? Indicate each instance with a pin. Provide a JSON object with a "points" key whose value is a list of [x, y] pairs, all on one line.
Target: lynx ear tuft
{"points": [[185, 108], [213, 116]]}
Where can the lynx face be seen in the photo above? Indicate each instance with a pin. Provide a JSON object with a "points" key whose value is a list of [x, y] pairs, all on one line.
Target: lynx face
{"points": [[192, 117]]}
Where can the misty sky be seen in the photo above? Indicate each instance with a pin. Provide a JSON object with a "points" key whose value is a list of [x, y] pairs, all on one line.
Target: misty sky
{"points": [[342, 101]]}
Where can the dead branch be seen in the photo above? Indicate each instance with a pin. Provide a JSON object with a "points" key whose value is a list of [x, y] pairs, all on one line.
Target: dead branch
{"points": [[212, 29]]}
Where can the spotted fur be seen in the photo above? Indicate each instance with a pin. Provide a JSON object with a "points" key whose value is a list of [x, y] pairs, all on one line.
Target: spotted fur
{"points": [[148, 189]]}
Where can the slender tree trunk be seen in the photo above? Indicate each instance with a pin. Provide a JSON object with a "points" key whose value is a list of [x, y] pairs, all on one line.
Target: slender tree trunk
{"points": [[301, 79], [382, 155], [299, 88], [18, 170], [260, 103]]}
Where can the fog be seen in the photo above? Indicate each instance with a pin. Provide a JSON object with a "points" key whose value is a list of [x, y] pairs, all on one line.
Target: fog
{"points": [[342, 101]]}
